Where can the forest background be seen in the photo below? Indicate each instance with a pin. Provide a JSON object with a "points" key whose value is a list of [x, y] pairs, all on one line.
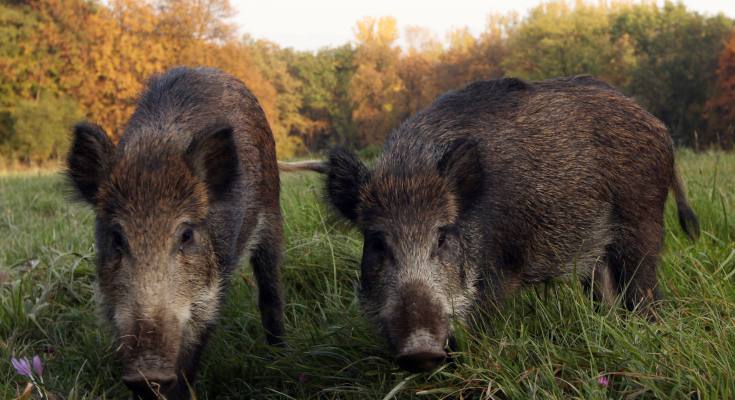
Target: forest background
{"points": [[65, 60]]}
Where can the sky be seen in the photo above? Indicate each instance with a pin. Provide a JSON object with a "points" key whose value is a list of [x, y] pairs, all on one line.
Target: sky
{"points": [[312, 24]]}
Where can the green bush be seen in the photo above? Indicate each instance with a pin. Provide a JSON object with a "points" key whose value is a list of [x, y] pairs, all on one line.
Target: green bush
{"points": [[35, 131]]}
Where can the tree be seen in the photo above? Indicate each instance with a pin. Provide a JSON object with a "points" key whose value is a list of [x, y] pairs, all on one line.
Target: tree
{"points": [[417, 71], [272, 63], [19, 66], [676, 54], [95, 56], [469, 59], [376, 85], [559, 39], [721, 107], [100, 56], [325, 77], [189, 27], [37, 129]]}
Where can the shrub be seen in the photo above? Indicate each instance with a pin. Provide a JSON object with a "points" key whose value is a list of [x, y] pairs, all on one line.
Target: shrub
{"points": [[38, 130]]}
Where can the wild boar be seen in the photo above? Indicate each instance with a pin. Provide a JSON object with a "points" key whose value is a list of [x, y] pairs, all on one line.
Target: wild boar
{"points": [[500, 185], [191, 185]]}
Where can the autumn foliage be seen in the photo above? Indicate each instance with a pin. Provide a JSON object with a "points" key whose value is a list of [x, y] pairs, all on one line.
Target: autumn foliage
{"points": [[67, 59]]}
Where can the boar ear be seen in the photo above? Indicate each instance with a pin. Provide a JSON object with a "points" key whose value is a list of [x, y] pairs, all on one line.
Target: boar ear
{"points": [[461, 166], [346, 174], [212, 156], [89, 159]]}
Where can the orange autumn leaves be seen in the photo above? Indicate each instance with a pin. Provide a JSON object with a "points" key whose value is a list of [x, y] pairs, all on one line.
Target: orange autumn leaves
{"points": [[68, 59], [100, 54]]}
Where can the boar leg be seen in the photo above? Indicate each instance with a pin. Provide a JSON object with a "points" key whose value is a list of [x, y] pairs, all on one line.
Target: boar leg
{"points": [[602, 283], [266, 261], [633, 258]]}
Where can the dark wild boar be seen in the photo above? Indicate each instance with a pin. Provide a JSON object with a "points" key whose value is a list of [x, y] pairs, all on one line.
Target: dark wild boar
{"points": [[500, 185], [192, 184]]}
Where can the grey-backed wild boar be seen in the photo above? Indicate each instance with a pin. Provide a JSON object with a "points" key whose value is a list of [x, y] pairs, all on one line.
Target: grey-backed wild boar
{"points": [[191, 185], [500, 185]]}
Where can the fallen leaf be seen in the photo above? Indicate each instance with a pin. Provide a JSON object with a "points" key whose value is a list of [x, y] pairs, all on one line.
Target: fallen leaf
{"points": [[26, 392]]}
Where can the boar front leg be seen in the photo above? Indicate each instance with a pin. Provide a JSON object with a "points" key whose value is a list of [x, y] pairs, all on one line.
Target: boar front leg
{"points": [[602, 283], [266, 261]]}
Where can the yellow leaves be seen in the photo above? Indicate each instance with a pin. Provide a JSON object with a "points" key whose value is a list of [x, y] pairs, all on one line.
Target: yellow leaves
{"points": [[101, 52], [461, 40], [381, 31], [421, 41], [376, 83], [102, 55]]}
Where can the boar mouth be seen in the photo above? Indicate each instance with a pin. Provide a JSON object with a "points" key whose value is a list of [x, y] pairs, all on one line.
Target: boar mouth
{"points": [[150, 377], [423, 361], [150, 384], [421, 352]]}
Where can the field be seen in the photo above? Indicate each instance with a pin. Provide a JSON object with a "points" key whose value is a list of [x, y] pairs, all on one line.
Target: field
{"points": [[551, 341]]}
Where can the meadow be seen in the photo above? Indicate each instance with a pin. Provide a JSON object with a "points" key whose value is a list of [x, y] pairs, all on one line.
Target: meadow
{"points": [[551, 341]]}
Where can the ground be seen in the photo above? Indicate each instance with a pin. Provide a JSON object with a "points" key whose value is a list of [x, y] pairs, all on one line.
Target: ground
{"points": [[551, 341]]}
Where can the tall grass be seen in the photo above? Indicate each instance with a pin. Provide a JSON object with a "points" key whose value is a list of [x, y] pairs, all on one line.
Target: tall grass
{"points": [[551, 341]]}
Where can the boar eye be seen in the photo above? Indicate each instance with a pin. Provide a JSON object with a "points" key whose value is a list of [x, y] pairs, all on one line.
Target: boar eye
{"points": [[187, 238], [376, 241], [442, 234], [441, 239], [118, 240]]}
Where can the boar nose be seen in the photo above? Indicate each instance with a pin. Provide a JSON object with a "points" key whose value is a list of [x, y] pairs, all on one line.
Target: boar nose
{"points": [[418, 327], [421, 361], [150, 385], [420, 352]]}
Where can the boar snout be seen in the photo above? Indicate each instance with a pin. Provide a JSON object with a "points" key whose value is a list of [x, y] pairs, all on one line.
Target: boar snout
{"points": [[423, 357], [151, 378], [150, 384], [418, 328], [149, 356]]}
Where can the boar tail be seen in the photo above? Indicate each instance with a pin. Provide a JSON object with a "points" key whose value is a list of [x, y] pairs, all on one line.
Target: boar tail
{"points": [[687, 218], [310, 165]]}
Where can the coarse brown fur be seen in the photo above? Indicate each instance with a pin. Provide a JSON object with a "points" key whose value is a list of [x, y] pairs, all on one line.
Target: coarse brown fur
{"points": [[192, 185], [503, 184]]}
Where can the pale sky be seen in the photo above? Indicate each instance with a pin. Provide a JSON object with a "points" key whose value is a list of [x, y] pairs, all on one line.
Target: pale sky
{"points": [[312, 24]]}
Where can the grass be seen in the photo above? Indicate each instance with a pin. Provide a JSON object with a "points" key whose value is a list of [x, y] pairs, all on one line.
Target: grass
{"points": [[549, 342]]}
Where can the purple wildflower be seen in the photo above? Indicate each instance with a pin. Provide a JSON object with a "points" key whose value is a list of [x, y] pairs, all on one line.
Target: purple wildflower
{"points": [[603, 381], [37, 365], [22, 366]]}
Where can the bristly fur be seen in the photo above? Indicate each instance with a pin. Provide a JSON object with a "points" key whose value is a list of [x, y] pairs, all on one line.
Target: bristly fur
{"points": [[345, 176], [500, 185], [191, 186], [687, 219], [89, 159]]}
